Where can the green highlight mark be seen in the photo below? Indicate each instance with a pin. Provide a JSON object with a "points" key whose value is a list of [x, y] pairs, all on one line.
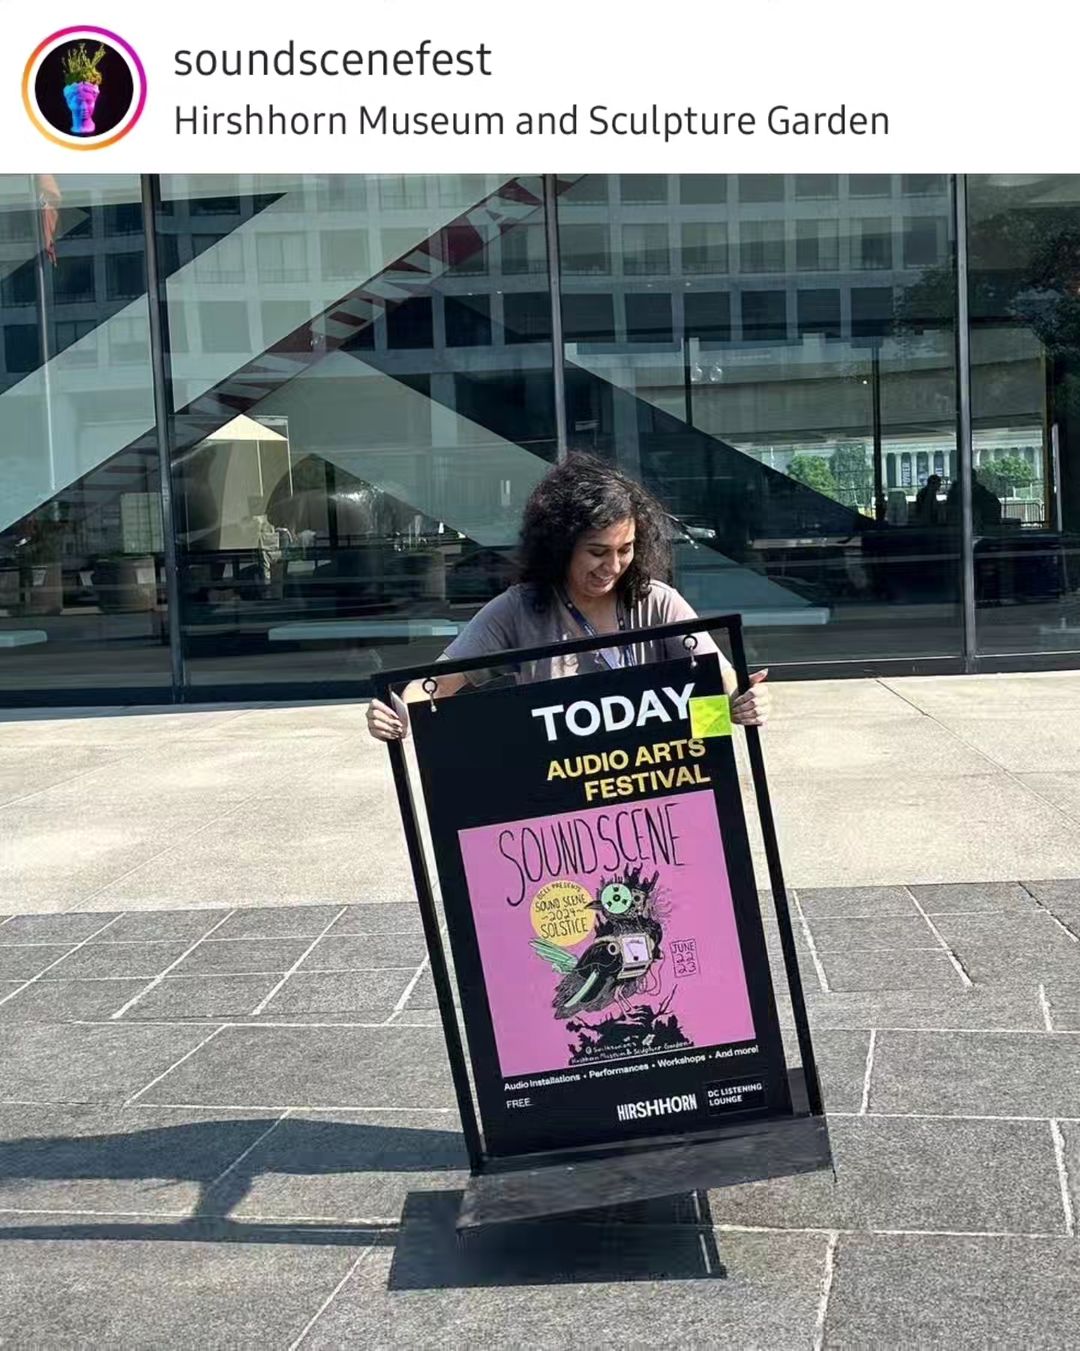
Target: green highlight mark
{"points": [[710, 715]]}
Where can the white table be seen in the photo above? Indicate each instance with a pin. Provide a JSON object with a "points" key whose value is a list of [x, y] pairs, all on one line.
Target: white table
{"points": [[22, 637], [330, 630]]}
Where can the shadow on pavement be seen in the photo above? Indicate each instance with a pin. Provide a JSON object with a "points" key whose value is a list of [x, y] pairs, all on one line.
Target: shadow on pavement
{"points": [[224, 1157], [666, 1239]]}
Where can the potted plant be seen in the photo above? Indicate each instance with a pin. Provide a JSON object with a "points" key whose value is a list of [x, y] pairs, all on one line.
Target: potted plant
{"points": [[82, 84], [41, 579], [420, 566], [125, 583]]}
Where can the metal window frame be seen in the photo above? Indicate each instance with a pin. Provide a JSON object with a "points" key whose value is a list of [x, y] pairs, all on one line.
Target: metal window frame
{"points": [[967, 657], [969, 637], [161, 369]]}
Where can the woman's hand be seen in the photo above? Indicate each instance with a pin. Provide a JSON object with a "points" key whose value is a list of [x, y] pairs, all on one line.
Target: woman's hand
{"points": [[752, 708], [385, 723]]}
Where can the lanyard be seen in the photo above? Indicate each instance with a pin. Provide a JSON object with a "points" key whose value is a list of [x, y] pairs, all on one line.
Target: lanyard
{"points": [[613, 662]]}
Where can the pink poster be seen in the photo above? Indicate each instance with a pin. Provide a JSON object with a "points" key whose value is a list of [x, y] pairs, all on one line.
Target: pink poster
{"points": [[607, 934]]}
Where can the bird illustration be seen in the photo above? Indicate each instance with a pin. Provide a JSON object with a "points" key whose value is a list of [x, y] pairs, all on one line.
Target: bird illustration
{"points": [[626, 944]]}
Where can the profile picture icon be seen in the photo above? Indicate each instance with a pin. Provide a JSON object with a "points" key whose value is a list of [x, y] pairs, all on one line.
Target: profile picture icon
{"points": [[84, 87]]}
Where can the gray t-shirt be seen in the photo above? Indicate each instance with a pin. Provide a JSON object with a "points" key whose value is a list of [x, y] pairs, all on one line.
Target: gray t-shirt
{"points": [[513, 620]]}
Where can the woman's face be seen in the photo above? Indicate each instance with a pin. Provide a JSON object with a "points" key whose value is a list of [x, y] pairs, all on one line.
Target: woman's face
{"points": [[600, 558]]}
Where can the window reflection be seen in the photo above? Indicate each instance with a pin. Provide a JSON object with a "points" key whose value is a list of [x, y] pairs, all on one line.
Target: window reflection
{"points": [[354, 447], [82, 593], [1025, 340], [786, 409], [362, 369]]}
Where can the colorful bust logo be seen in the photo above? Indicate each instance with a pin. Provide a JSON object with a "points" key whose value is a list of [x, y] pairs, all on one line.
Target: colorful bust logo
{"points": [[84, 88], [82, 75]]}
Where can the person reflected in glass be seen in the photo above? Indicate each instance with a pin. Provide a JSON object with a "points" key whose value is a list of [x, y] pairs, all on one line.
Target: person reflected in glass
{"points": [[593, 550], [986, 510], [927, 511]]}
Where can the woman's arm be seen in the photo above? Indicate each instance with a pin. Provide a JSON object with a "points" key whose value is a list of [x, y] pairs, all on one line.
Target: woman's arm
{"points": [[750, 709], [489, 631], [386, 723]]}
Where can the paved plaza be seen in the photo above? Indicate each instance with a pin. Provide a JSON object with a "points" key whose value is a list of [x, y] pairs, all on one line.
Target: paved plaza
{"points": [[226, 1118]]}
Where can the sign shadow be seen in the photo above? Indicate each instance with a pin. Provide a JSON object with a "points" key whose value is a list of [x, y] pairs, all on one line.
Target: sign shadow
{"points": [[668, 1239]]}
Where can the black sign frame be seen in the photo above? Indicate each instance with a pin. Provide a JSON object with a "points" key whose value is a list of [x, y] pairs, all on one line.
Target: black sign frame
{"points": [[549, 1181]]}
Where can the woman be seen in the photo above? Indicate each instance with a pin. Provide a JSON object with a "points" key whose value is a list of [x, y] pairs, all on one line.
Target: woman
{"points": [[593, 546]]}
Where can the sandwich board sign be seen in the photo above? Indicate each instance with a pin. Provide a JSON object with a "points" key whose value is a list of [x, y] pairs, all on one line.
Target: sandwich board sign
{"points": [[606, 934]]}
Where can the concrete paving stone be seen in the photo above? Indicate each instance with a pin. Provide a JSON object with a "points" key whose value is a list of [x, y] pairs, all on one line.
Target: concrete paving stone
{"points": [[1068, 912], [22, 774], [857, 935], [210, 998], [1012, 949], [119, 960], [1028, 743], [58, 1063], [347, 1165], [160, 925], [66, 1001], [250, 1294], [423, 994], [818, 903], [841, 1062], [279, 921], [864, 748], [1063, 997], [803, 955], [366, 952], [334, 854], [339, 721], [998, 696], [372, 1017], [121, 728], [1051, 891], [916, 1291], [224, 956], [541, 1280], [379, 918], [835, 831], [374, 994], [62, 855], [1070, 1131], [884, 970], [957, 1007], [993, 964], [132, 789], [410, 1017], [834, 699], [1031, 931], [24, 961], [314, 1067], [206, 764], [960, 1073], [894, 1173], [964, 897], [66, 929], [1062, 789], [157, 1161]]}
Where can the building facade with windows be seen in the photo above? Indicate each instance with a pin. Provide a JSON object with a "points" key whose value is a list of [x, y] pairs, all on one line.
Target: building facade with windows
{"points": [[261, 436]]}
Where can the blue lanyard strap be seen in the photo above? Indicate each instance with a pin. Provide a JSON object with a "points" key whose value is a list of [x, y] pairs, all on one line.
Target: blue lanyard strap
{"points": [[625, 654]]}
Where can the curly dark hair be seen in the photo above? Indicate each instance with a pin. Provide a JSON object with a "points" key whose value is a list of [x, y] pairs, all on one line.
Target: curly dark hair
{"points": [[584, 493]]}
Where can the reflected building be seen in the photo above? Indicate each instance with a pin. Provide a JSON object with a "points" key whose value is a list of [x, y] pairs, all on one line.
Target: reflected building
{"points": [[362, 377]]}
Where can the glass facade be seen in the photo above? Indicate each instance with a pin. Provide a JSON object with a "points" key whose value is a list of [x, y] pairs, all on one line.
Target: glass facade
{"points": [[362, 377], [1024, 298]]}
